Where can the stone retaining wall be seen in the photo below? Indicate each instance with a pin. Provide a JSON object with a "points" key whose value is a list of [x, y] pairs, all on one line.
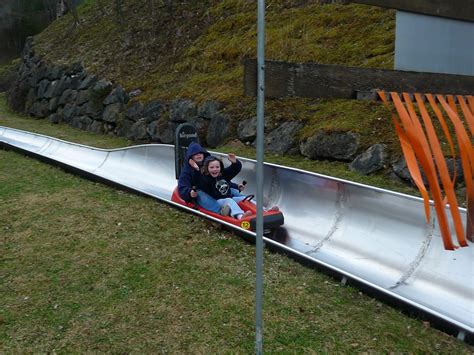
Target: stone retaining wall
{"points": [[69, 94]]}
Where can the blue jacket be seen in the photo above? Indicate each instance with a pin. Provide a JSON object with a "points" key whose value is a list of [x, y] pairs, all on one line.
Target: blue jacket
{"points": [[189, 177]]}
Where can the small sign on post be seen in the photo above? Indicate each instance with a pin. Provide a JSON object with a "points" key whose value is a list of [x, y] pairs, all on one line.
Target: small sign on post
{"points": [[185, 135]]}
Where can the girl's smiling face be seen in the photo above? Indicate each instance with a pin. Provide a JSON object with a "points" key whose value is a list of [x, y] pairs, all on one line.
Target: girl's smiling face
{"points": [[214, 168]]}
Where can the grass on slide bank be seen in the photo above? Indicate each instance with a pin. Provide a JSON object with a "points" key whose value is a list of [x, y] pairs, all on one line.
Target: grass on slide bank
{"points": [[85, 267]]}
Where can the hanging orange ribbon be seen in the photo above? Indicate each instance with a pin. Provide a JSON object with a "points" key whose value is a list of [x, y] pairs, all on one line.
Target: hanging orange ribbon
{"points": [[421, 148]]}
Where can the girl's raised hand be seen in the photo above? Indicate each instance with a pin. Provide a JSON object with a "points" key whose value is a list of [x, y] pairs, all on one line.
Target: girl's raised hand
{"points": [[231, 157]]}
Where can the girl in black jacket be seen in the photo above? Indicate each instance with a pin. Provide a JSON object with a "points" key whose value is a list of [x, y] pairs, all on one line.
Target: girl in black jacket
{"points": [[215, 180]]}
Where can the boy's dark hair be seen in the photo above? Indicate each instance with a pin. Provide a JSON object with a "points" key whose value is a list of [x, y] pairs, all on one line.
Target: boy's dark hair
{"points": [[207, 161]]}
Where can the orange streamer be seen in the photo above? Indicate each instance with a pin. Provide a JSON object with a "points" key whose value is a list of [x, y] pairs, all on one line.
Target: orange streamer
{"points": [[420, 145]]}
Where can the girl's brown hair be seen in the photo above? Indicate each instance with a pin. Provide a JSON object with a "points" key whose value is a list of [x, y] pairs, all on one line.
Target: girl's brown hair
{"points": [[207, 161]]}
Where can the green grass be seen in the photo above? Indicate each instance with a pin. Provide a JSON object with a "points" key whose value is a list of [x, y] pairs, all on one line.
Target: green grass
{"points": [[87, 268]]}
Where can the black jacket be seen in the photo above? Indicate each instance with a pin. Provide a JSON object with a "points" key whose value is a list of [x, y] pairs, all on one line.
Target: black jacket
{"points": [[219, 187]]}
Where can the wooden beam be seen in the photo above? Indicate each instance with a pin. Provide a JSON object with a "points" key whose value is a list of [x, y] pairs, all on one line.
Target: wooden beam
{"points": [[333, 81], [454, 9]]}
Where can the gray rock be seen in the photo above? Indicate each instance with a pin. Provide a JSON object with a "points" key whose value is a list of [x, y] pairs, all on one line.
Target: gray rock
{"points": [[94, 111], [38, 73], [40, 109], [88, 81], [54, 73], [134, 93], [96, 127], [51, 89], [112, 112], [67, 82], [103, 85], [75, 69], [43, 88], [282, 139], [117, 95], [68, 96], [54, 118], [372, 160], [247, 129], [400, 170], [218, 130], [30, 99], [332, 145], [53, 104], [153, 110], [153, 131], [209, 109], [455, 167], [81, 110], [124, 127], [69, 112], [138, 132], [182, 110], [17, 94], [81, 122], [82, 97], [162, 131], [201, 125], [110, 128], [135, 111]]}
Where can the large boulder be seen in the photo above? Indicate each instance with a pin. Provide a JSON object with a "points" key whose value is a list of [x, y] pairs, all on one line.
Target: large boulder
{"points": [[43, 88], [38, 73], [69, 112], [87, 82], [331, 145], [53, 104], [182, 110], [152, 111], [162, 131], [372, 160], [218, 130], [123, 127], [68, 96], [82, 97], [282, 139], [209, 109], [96, 127], [401, 172], [17, 95], [138, 131], [81, 122], [112, 112], [135, 111], [117, 95], [54, 72], [247, 129]]}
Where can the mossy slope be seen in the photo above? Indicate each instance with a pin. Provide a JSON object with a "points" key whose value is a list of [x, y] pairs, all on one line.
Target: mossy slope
{"points": [[194, 49]]}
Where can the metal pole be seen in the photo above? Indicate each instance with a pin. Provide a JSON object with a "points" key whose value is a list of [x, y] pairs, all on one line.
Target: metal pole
{"points": [[260, 133]]}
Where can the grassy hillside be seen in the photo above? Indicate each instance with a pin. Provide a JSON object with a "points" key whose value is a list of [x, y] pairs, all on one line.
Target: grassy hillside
{"points": [[195, 49]]}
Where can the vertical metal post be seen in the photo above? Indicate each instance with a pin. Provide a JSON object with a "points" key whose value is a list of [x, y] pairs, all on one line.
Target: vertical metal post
{"points": [[260, 133]]}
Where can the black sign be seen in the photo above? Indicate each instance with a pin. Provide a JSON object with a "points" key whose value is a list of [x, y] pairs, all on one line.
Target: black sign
{"points": [[185, 135]]}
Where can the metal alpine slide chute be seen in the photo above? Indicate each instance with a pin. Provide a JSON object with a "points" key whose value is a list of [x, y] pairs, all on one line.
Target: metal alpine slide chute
{"points": [[374, 237]]}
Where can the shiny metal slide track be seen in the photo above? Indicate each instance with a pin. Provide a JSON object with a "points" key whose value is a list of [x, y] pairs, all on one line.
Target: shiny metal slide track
{"points": [[373, 236]]}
